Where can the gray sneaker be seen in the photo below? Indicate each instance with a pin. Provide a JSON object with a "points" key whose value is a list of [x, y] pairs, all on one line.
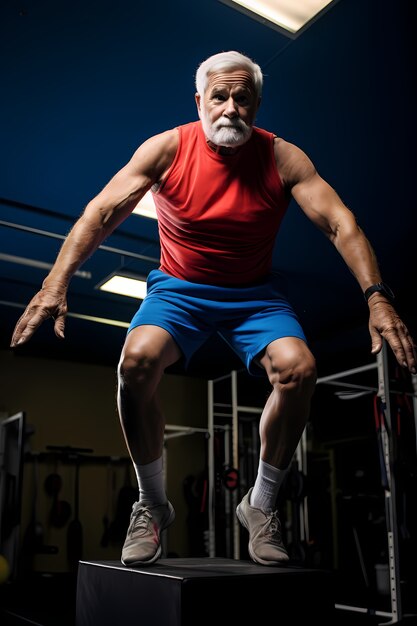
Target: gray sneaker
{"points": [[265, 541], [143, 540]]}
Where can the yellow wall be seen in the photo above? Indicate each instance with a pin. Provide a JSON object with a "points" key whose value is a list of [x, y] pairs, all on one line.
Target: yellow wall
{"points": [[74, 404]]}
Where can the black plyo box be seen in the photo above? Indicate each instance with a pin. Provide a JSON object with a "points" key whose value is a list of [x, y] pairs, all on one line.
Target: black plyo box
{"points": [[201, 592]]}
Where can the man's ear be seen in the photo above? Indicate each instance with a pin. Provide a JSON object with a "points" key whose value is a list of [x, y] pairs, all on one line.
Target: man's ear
{"points": [[198, 103]]}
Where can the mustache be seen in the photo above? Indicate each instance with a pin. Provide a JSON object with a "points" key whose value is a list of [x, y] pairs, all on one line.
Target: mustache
{"points": [[230, 123]]}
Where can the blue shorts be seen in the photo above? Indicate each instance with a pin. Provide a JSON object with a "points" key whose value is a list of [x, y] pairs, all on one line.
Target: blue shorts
{"points": [[247, 318]]}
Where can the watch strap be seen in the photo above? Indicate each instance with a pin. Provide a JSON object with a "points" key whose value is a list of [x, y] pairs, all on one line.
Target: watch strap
{"points": [[381, 288]]}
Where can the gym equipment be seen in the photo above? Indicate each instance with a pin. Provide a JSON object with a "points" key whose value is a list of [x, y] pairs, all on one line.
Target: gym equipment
{"points": [[293, 489], [33, 539], [230, 478], [236, 457], [388, 466], [12, 440], [34, 536], [128, 494], [203, 592], [61, 509]]}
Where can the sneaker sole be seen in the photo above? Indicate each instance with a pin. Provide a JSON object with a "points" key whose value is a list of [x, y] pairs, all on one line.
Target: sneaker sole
{"points": [[159, 550], [148, 562], [253, 556]]}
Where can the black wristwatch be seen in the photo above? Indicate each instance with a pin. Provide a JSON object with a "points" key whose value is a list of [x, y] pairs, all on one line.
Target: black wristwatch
{"points": [[381, 288]]}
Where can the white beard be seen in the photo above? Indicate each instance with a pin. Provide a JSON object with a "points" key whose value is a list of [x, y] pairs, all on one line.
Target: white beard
{"points": [[224, 131]]}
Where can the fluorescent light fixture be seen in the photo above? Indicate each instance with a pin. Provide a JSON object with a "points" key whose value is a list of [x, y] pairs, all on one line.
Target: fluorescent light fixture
{"points": [[146, 206], [290, 17], [124, 286]]}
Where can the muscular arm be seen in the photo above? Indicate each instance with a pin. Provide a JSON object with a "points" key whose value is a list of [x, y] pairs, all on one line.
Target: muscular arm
{"points": [[99, 219], [322, 205]]}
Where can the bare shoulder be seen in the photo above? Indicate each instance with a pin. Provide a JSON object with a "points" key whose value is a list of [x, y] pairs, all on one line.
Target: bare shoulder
{"points": [[293, 163], [166, 141], [156, 154]]}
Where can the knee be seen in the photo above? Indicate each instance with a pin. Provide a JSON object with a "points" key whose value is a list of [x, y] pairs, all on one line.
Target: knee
{"points": [[137, 365], [295, 370]]}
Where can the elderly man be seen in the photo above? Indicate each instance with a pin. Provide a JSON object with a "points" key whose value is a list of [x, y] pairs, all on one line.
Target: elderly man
{"points": [[221, 187]]}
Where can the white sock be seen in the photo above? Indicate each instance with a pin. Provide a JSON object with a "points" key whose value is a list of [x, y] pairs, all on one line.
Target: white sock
{"points": [[151, 482], [265, 490]]}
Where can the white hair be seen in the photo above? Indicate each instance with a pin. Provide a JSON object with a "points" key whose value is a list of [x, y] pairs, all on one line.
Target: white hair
{"points": [[227, 61]]}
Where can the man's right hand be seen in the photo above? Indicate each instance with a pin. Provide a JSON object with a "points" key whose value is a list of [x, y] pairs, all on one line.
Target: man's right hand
{"points": [[48, 302]]}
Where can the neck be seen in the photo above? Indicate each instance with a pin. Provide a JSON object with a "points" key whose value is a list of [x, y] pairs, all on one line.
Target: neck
{"points": [[222, 149]]}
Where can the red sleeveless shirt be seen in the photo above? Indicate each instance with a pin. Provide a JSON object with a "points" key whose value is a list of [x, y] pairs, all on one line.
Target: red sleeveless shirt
{"points": [[218, 215]]}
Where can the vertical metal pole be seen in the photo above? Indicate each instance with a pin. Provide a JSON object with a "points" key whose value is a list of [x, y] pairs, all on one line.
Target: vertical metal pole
{"points": [[390, 497], [235, 449], [164, 535], [414, 382], [301, 458], [228, 496], [255, 450], [211, 503]]}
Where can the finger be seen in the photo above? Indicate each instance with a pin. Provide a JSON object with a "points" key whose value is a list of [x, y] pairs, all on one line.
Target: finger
{"points": [[16, 333], [16, 338], [25, 328], [409, 351], [376, 341], [394, 340], [402, 345], [59, 326]]}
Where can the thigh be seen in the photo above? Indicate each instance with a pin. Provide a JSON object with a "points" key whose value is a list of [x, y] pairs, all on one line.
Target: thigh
{"points": [[152, 343], [250, 337], [177, 314]]}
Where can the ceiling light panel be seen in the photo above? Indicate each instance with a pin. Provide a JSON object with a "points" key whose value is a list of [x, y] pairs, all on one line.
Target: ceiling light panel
{"points": [[124, 286], [290, 17], [146, 206]]}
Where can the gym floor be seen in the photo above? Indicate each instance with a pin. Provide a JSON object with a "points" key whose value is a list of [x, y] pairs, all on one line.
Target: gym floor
{"points": [[50, 600], [41, 600]]}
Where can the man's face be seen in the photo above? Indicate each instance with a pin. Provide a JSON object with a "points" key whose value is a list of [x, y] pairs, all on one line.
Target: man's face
{"points": [[228, 108]]}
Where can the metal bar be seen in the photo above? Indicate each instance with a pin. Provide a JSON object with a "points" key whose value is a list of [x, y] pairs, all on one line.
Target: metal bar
{"points": [[68, 218], [305, 527], [220, 378], [228, 498], [47, 233], [360, 557], [359, 609], [175, 435], [355, 370], [390, 495], [249, 409], [341, 383], [374, 389], [211, 511], [414, 382], [88, 318], [235, 450], [188, 429], [20, 260], [164, 536]]}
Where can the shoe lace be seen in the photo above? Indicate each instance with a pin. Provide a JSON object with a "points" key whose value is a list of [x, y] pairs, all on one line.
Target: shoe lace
{"points": [[141, 516], [273, 525]]}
